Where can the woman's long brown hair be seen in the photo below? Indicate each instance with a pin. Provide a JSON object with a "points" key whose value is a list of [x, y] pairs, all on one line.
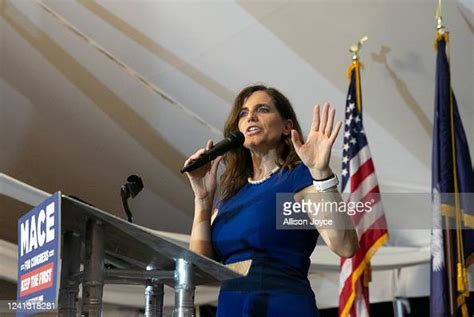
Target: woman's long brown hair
{"points": [[238, 162]]}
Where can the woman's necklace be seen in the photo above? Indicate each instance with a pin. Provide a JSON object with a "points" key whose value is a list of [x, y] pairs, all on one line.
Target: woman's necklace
{"points": [[259, 181]]}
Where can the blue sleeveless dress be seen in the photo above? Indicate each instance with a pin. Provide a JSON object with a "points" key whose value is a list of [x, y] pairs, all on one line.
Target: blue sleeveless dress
{"points": [[245, 228]]}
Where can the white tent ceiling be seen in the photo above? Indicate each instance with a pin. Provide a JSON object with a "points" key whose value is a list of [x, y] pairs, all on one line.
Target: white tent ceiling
{"points": [[74, 119]]}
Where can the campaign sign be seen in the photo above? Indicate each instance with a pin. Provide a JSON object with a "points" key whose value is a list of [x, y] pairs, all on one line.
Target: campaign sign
{"points": [[39, 239]]}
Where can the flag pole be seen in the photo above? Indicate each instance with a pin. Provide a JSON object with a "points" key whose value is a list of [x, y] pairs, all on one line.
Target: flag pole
{"points": [[449, 262], [440, 34], [356, 65], [461, 284]]}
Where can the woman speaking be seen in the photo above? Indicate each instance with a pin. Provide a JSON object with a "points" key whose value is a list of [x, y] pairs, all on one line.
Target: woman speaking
{"points": [[238, 225]]}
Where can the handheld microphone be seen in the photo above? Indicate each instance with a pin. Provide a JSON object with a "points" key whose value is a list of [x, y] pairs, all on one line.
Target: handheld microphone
{"points": [[235, 139]]}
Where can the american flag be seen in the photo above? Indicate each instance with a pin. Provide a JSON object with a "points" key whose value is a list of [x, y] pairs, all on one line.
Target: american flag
{"points": [[359, 181]]}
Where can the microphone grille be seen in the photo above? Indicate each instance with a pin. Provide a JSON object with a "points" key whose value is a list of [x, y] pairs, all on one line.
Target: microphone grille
{"points": [[237, 137]]}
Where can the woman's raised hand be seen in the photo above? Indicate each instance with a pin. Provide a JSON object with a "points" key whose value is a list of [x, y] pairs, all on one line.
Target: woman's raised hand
{"points": [[316, 151], [204, 179]]}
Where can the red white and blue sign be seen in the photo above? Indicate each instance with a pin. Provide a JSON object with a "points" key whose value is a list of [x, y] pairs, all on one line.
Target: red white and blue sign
{"points": [[39, 239]]}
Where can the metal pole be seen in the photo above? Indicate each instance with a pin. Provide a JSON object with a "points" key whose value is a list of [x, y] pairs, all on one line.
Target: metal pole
{"points": [[71, 261], [93, 283], [153, 297], [184, 289], [400, 306], [450, 266], [154, 300]]}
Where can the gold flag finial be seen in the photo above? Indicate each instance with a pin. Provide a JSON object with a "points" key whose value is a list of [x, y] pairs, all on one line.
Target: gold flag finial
{"points": [[439, 19], [354, 49], [441, 33]]}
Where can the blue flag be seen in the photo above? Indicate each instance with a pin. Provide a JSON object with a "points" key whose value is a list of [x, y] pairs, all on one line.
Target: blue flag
{"points": [[451, 173]]}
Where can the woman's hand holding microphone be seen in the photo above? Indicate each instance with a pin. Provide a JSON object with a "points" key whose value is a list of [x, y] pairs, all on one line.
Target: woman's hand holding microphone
{"points": [[204, 179]]}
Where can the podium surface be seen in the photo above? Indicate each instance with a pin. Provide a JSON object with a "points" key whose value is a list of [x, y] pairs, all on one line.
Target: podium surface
{"points": [[134, 255]]}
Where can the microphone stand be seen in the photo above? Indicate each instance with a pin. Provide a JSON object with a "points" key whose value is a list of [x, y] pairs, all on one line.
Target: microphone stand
{"points": [[130, 189]]}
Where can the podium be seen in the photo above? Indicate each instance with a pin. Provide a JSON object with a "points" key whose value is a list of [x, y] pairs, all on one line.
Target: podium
{"points": [[114, 251]]}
